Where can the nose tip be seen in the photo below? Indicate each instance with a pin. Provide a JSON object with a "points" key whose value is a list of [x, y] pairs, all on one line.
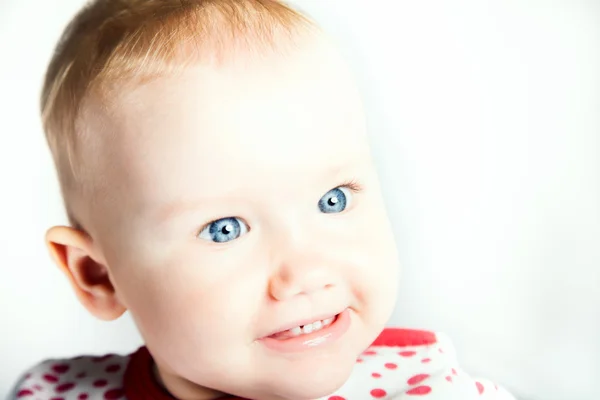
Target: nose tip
{"points": [[284, 287]]}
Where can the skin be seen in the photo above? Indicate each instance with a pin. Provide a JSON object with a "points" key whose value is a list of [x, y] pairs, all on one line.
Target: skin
{"points": [[262, 141]]}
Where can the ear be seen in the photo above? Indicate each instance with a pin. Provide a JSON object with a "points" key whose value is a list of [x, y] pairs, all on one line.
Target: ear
{"points": [[72, 251]]}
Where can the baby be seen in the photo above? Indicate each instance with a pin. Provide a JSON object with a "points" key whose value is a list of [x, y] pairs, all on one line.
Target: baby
{"points": [[215, 167]]}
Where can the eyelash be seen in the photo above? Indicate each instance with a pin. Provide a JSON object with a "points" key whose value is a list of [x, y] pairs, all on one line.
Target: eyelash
{"points": [[353, 185]]}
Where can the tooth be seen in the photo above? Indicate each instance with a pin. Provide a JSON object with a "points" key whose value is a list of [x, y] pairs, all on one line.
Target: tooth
{"points": [[317, 325], [296, 331], [307, 328], [327, 321]]}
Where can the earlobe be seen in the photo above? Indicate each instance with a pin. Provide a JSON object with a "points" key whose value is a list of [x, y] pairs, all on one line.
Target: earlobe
{"points": [[71, 250]]}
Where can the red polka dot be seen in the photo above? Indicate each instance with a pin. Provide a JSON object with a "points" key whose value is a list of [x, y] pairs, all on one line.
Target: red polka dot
{"points": [[449, 378], [376, 375], [426, 360], [113, 368], [391, 366], [57, 398], [407, 353], [378, 393], [419, 390], [37, 387], [82, 396], [370, 353], [65, 387], [100, 383], [417, 379], [114, 394], [80, 375], [50, 378], [336, 398], [359, 360], [454, 372], [60, 368], [24, 393], [479, 387]]}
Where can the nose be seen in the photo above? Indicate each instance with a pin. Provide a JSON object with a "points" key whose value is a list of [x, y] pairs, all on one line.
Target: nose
{"points": [[300, 273]]}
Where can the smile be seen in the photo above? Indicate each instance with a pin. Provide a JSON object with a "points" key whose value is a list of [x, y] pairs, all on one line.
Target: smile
{"points": [[310, 335], [304, 329]]}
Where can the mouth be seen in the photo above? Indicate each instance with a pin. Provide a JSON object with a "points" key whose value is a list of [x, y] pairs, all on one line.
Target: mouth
{"points": [[306, 335], [304, 329]]}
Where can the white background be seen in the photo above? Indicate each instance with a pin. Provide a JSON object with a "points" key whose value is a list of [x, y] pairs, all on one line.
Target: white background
{"points": [[485, 122]]}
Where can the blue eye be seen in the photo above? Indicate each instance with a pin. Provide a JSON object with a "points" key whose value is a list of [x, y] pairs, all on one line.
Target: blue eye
{"points": [[335, 201], [224, 230]]}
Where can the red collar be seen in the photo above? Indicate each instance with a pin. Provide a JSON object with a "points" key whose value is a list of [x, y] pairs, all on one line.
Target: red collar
{"points": [[396, 337], [140, 384]]}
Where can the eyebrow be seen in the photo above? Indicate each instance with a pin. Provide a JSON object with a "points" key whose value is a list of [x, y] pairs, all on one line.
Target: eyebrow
{"points": [[179, 207]]}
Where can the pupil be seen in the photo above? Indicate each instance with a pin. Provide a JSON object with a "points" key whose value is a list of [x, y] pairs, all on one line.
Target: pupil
{"points": [[226, 229], [333, 201]]}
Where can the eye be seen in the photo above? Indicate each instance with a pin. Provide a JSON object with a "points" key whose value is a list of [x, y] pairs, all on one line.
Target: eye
{"points": [[335, 201], [224, 230]]}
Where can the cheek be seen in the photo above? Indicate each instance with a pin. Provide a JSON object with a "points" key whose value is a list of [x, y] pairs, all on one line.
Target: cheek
{"points": [[200, 303], [378, 263], [382, 272], [372, 233], [380, 285]]}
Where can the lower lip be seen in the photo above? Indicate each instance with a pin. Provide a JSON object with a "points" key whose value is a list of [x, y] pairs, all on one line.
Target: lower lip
{"points": [[318, 339]]}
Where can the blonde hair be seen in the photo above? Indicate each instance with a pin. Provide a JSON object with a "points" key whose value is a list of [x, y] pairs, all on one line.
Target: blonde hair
{"points": [[111, 43]]}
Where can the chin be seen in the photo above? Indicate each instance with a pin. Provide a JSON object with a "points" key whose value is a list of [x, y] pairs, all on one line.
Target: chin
{"points": [[308, 378], [314, 384]]}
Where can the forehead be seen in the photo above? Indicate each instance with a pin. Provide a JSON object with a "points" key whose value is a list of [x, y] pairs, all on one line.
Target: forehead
{"points": [[283, 115]]}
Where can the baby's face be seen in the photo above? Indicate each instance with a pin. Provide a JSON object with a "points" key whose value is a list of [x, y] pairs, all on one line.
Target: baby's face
{"points": [[244, 202]]}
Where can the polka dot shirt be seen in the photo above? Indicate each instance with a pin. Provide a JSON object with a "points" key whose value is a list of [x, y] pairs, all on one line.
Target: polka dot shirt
{"points": [[401, 364]]}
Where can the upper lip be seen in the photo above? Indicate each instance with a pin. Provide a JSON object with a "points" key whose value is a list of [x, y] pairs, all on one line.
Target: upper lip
{"points": [[302, 322]]}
